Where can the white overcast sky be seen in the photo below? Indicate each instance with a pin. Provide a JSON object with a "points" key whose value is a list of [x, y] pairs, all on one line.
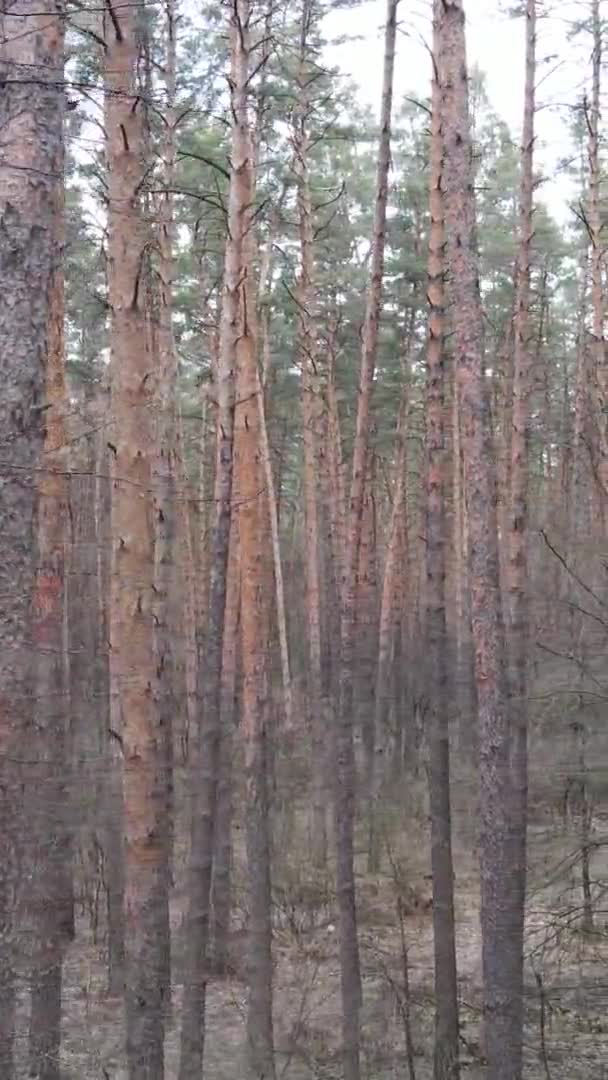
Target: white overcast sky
{"points": [[495, 42]]}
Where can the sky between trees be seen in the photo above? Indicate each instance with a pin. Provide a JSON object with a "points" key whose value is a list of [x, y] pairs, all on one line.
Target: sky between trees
{"points": [[495, 45]]}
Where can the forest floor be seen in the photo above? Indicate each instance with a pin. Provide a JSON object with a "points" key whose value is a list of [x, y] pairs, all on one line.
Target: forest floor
{"points": [[566, 974]]}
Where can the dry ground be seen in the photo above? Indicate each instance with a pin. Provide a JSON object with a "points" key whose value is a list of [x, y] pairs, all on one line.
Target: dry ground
{"points": [[567, 973]]}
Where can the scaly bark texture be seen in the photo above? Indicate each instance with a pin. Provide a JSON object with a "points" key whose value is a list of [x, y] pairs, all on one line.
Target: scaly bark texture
{"points": [[111, 762], [31, 163], [133, 673], [499, 899], [207, 754], [519, 614], [50, 892], [595, 230], [256, 589], [345, 763], [309, 382], [367, 627], [446, 983], [335, 463], [256, 585], [169, 612]]}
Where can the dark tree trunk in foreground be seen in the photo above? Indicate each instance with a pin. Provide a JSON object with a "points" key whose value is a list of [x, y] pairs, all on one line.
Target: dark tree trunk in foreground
{"points": [[50, 895], [31, 179]]}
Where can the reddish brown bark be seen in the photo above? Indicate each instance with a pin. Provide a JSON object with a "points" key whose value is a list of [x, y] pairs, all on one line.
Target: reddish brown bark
{"points": [[31, 114], [50, 894], [133, 673]]}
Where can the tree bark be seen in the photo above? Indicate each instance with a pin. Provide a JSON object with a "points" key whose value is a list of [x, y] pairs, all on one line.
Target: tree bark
{"points": [[205, 779], [519, 614], [309, 382], [390, 608], [595, 230], [499, 900], [256, 589], [31, 575], [168, 610], [221, 897], [345, 771], [133, 673], [446, 1060], [111, 844], [367, 627], [50, 897]]}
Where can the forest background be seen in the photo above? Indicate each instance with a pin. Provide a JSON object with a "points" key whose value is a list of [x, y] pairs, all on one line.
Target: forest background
{"points": [[304, 428]]}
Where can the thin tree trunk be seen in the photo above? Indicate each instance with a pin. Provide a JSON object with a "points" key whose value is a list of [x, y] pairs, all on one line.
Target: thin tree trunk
{"points": [[367, 628], [519, 615], [254, 530], [345, 771], [113, 869], [134, 682], [221, 896], [499, 899], [86, 710], [586, 820], [595, 229], [256, 589], [186, 596], [168, 610], [309, 366], [207, 756], [335, 465], [446, 1064], [390, 606], [279, 588]]}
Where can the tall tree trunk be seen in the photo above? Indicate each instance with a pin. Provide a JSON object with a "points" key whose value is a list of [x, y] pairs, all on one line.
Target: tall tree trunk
{"points": [[391, 604], [277, 562], [206, 759], [499, 900], [254, 531], [185, 600], [86, 712], [168, 611], [221, 897], [256, 589], [31, 575], [50, 890], [111, 723], [519, 614], [345, 772], [595, 229], [309, 366], [134, 681], [367, 627], [446, 1066], [335, 464]]}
